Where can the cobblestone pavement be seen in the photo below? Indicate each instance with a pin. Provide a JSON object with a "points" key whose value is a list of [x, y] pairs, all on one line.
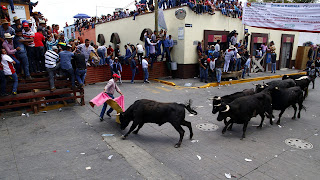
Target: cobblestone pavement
{"points": [[28, 144]]}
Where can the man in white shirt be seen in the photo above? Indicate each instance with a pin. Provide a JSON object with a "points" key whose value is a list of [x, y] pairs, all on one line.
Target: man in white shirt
{"points": [[217, 49], [8, 69], [51, 59], [145, 69], [109, 89], [140, 50]]}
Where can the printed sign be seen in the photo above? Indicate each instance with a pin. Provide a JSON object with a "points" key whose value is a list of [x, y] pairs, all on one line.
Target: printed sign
{"points": [[180, 33], [20, 12], [290, 16]]}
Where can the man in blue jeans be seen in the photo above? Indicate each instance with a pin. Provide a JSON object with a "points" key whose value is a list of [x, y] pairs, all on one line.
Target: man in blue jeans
{"points": [[65, 63], [134, 69], [145, 65], [81, 67], [109, 89]]}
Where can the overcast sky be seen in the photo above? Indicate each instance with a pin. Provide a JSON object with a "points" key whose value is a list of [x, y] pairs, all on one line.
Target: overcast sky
{"points": [[62, 11]]}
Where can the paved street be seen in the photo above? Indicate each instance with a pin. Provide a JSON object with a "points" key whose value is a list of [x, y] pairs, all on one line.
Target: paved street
{"points": [[51, 145]]}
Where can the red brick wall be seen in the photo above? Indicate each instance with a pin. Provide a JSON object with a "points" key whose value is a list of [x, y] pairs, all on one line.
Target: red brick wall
{"points": [[103, 73], [87, 34]]}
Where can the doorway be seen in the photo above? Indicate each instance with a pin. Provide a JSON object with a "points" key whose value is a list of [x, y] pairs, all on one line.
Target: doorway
{"points": [[287, 41], [285, 55]]}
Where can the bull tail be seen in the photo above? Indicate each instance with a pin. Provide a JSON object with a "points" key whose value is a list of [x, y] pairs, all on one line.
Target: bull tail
{"points": [[304, 108], [191, 110]]}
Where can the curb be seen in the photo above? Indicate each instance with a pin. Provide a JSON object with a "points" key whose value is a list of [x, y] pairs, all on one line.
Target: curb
{"points": [[231, 82], [165, 82]]}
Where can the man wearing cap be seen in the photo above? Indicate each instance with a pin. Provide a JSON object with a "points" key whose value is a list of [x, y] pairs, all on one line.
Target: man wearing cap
{"points": [[5, 28], [117, 68], [233, 39], [109, 89], [229, 54], [28, 34], [17, 23], [51, 63], [4, 13], [65, 63]]}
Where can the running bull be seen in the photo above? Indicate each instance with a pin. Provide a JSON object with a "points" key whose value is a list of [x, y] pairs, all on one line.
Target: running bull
{"points": [[242, 109], [149, 111]]}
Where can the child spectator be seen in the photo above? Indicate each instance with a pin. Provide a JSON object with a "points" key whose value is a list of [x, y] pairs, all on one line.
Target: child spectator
{"points": [[8, 69]]}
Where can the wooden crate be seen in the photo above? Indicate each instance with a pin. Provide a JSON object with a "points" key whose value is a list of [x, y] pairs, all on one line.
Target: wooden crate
{"points": [[302, 57]]}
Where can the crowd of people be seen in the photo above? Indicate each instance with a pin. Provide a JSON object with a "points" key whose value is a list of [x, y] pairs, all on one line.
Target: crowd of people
{"points": [[213, 60], [230, 8]]}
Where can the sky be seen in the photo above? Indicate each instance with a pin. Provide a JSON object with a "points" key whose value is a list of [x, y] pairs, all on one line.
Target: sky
{"points": [[62, 11]]}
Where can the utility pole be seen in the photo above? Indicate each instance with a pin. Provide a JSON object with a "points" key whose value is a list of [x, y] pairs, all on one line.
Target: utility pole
{"points": [[96, 10], [156, 15]]}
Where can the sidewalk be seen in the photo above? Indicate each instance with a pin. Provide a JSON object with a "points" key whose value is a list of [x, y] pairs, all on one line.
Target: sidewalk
{"points": [[195, 82]]}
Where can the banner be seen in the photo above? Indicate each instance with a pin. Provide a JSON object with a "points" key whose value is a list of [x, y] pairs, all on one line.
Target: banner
{"points": [[161, 20], [283, 16]]}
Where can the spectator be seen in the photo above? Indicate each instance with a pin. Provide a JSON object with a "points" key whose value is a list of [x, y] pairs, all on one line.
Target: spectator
{"points": [[204, 68], [166, 49], [51, 42], [102, 50], [86, 49], [145, 69], [5, 28], [246, 67], [128, 55], [233, 39], [229, 54], [212, 68], [109, 52], [8, 46], [21, 54], [134, 69], [273, 57], [140, 50], [317, 65], [218, 66], [170, 44], [8, 69], [39, 50], [29, 36], [17, 23], [211, 52], [117, 68], [52, 65], [199, 49], [65, 63], [217, 49], [152, 50], [109, 90], [3, 81], [263, 48], [146, 44], [110, 63], [81, 68]]}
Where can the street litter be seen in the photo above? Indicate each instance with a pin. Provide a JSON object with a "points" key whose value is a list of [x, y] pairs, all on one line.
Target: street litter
{"points": [[248, 160], [82, 153], [191, 115], [188, 84], [87, 168], [314, 116], [210, 104], [3, 118], [199, 106], [44, 111], [110, 157], [60, 109], [228, 175], [68, 151], [316, 134], [23, 114], [193, 141], [107, 135], [290, 129], [279, 126], [54, 151], [199, 157], [275, 155]]}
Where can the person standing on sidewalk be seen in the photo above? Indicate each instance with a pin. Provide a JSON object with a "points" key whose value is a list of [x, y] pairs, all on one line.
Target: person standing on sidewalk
{"points": [[218, 68], [134, 69], [140, 50], [212, 67], [203, 68], [51, 63], [109, 90], [246, 67], [81, 67], [273, 57], [145, 69]]}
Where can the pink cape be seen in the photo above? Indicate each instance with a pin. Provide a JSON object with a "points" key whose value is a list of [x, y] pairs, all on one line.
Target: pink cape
{"points": [[103, 97]]}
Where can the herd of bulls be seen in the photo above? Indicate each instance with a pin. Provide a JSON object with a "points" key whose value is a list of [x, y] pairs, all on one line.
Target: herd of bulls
{"points": [[237, 108]]}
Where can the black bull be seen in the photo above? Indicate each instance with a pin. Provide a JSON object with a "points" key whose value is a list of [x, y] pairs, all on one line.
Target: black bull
{"points": [[149, 111]]}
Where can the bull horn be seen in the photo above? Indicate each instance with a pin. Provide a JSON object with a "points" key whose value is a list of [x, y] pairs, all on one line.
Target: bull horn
{"points": [[276, 88], [266, 85], [262, 86], [217, 98], [118, 114], [227, 108], [217, 105]]}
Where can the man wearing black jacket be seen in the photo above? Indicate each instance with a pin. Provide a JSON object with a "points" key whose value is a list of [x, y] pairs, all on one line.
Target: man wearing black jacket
{"points": [[81, 67]]}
